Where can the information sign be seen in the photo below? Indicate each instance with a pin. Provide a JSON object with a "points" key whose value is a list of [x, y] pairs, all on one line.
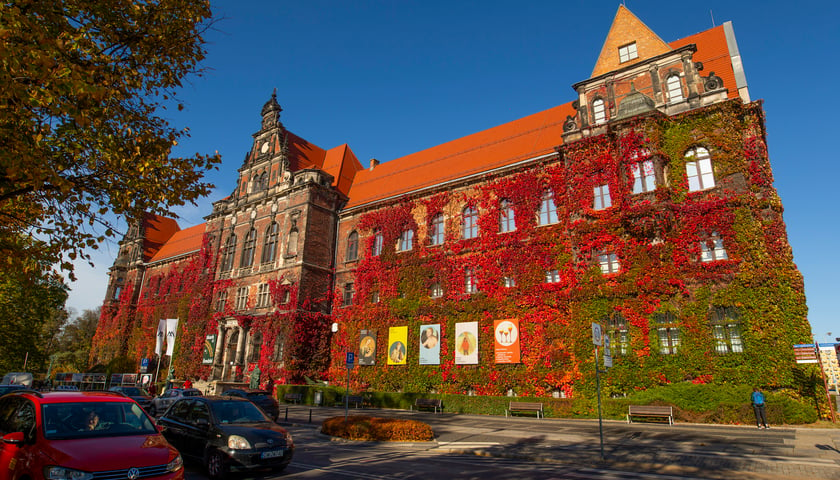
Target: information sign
{"points": [[350, 359], [596, 334]]}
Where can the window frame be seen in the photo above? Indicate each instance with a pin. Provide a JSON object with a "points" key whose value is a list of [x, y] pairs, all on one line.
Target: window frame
{"points": [[377, 244], [727, 334], [352, 253], [249, 246], [667, 332], [436, 290], [272, 238], [601, 197], [406, 242], [507, 216], [548, 209], [347, 294], [609, 263], [717, 252], [469, 223], [470, 286], [643, 182], [229, 254], [627, 52], [599, 111], [696, 159], [674, 84], [242, 298], [263, 295]]}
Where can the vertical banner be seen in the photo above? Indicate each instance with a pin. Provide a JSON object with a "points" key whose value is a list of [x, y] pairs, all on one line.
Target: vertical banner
{"points": [[466, 343], [506, 334], [430, 344], [161, 333], [209, 349], [397, 339], [367, 347], [171, 332]]}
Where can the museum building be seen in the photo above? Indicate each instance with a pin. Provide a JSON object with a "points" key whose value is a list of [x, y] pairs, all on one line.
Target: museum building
{"points": [[645, 206]]}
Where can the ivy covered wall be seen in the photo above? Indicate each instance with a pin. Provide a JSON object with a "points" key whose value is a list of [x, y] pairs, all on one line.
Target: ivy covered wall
{"points": [[730, 320]]}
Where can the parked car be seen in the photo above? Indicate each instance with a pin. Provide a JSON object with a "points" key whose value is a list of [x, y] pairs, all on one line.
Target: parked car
{"points": [[4, 389], [161, 403], [261, 398], [226, 434], [67, 388], [17, 378], [137, 394], [81, 435]]}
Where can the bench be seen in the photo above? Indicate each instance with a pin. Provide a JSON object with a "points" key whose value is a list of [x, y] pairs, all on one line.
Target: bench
{"points": [[293, 397], [353, 400], [651, 411], [525, 407], [433, 403]]}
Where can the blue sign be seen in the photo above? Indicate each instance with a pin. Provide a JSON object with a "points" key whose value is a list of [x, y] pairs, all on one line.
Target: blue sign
{"points": [[144, 365], [350, 359]]}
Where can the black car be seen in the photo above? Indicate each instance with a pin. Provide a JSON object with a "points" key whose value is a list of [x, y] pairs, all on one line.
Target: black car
{"points": [[137, 394], [261, 398], [226, 433]]}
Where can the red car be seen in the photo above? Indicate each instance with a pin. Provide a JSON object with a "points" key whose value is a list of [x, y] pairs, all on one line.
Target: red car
{"points": [[81, 436]]}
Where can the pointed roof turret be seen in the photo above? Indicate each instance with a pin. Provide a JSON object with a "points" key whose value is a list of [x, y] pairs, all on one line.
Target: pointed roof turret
{"points": [[271, 112], [628, 41]]}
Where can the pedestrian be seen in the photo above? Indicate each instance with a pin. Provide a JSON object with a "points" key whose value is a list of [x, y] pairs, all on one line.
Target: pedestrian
{"points": [[759, 408], [188, 383]]}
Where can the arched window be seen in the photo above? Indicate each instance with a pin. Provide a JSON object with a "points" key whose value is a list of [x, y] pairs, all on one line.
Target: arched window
{"points": [[599, 111], [507, 218], [264, 181], [229, 251], [248, 247], [376, 248], [470, 223], [674, 86], [436, 230], [698, 169], [292, 246], [270, 245], [548, 209], [352, 246]]}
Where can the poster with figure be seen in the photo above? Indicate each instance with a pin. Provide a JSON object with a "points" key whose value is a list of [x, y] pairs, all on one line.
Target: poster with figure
{"points": [[430, 344], [466, 343], [397, 340], [367, 347], [506, 339]]}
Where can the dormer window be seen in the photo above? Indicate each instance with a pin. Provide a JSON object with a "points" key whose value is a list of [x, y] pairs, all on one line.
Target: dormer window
{"points": [[627, 52], [675, 93]]}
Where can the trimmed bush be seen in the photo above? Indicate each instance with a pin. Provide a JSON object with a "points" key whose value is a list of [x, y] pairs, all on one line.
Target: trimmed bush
{"points": [[363, 427]]}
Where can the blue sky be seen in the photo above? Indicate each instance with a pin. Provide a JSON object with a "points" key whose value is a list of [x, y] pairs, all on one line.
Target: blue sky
{"points": [[393, 77]]}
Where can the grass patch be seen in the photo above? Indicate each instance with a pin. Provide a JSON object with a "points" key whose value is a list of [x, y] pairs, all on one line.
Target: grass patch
{"points": [[364, 427]]}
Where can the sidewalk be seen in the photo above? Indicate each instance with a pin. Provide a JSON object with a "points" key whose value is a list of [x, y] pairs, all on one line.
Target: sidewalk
{"points": [[707, 451]]}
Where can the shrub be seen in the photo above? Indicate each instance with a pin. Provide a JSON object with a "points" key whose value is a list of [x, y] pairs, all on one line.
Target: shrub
{"points": [[363, 427]]}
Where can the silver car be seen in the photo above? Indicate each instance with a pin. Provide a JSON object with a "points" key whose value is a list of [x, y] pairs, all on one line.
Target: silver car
{"points": [[167, 398]]}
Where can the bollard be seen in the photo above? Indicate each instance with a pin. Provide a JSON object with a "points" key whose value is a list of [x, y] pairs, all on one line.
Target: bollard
{"points": [[310, 415], [287, 414]]}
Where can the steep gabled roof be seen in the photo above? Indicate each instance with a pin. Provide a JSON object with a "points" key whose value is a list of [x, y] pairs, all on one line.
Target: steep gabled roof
{"points": [[496, 147], [342, 164], [158, 230], [183, 242], [627, 28]]}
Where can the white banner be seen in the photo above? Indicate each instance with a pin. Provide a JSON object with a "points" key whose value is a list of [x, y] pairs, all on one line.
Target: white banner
{"points": [[161, 331], [171, 330]]}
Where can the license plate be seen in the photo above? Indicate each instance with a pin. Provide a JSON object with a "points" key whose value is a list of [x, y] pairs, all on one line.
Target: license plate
{"points": [[272, 454]]}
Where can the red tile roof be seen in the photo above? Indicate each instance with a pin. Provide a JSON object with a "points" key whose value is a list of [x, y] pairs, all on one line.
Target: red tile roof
{"points": [[183, 242], [713, 51], [158, 231]]}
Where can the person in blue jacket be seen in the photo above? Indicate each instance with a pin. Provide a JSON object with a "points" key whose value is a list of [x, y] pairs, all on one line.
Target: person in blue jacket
{"points": [[759, 408]]}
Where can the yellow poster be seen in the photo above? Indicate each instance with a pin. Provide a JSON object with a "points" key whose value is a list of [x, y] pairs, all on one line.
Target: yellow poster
{"points": [[397, 340]]}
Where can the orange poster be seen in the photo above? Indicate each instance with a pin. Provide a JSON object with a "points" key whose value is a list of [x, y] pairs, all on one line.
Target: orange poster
{"points": [[506, 338]]}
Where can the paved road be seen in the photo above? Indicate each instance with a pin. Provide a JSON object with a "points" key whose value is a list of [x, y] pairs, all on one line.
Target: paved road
{"points": [[485, 446]]}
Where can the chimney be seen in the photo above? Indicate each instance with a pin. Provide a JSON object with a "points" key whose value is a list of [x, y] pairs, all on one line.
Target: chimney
{"points": [[373, 162]]}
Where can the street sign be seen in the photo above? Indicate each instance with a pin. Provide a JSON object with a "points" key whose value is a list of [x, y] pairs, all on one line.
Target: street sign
{"points": [[144, 365], [805, 353], [350, 359], [596, 334]]}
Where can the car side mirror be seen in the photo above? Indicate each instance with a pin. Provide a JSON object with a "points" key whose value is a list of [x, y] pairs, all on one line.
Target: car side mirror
{"points": [[14, 438]]}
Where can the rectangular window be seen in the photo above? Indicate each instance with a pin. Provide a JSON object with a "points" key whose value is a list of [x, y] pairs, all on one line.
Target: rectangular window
{"points": [[548, 209], [378, 241], [406, 240], [221, 300], [436, 291], [470, 223], [618, 333], [507, 218], [510, 282], [374, 297], [552, 276], [602, 197], [726, 330], [609, 263], [627, 53], [469, 281], [263, 296], [668, 333], [347, 298], [436, 230], [712, 249], [241, 298], [644, 178]]}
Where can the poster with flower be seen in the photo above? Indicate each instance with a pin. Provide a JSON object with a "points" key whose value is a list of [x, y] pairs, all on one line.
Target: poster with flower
{"points": [[430, 344], [506, 339], [397, 340], [466, 343], [367, 347]]}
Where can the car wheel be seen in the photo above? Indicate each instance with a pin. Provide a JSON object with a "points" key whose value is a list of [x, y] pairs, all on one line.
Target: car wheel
{"points": [[216, 466]]}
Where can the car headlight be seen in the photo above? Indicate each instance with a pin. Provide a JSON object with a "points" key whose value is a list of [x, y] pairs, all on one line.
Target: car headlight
{"points": [[289, 442], [235, 442], [62, 473], [176, 464]]}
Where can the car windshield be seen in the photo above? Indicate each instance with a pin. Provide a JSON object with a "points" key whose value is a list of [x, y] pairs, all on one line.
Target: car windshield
{"points": [[237, 412], [95, 419]]}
